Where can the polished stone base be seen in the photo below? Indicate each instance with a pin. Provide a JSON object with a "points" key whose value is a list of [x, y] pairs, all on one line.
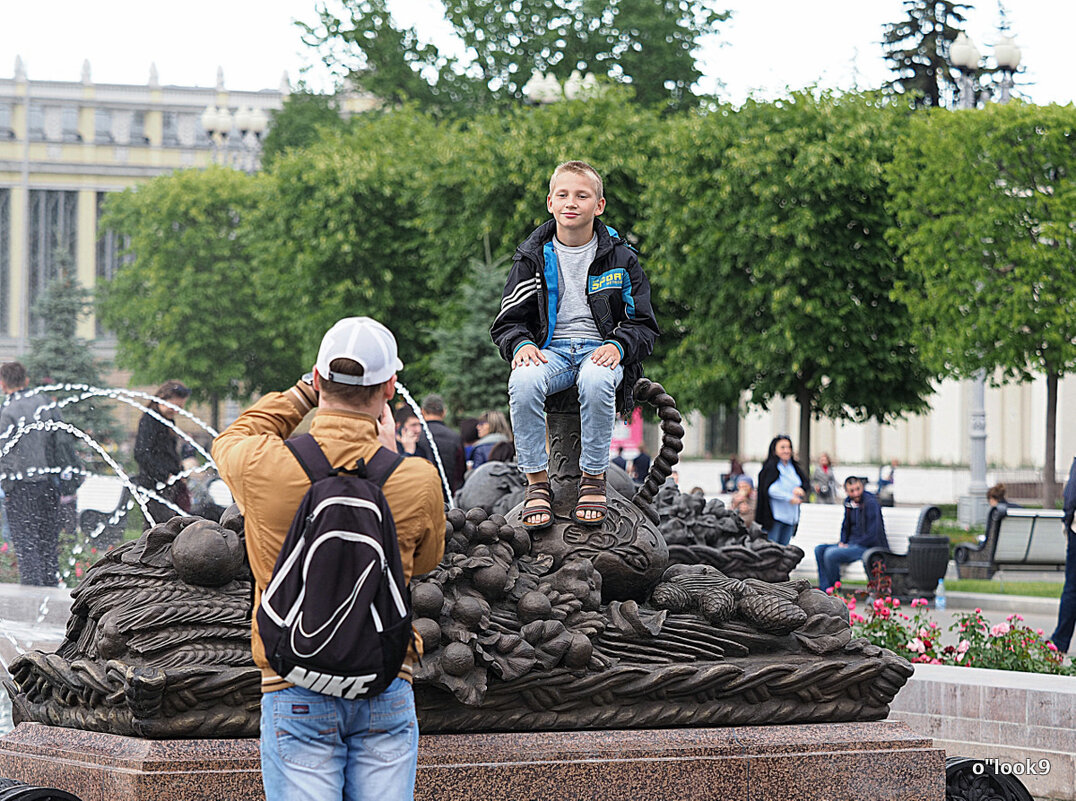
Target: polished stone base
{"points": [[833, 761], [111, 767]]}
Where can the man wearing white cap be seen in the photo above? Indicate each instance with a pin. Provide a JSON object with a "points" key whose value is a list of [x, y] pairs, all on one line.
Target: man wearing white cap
{"points": [[317, 746]]}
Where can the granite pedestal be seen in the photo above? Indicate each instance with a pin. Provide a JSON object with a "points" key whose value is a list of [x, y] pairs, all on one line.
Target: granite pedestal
{"points": [[832, 761]]}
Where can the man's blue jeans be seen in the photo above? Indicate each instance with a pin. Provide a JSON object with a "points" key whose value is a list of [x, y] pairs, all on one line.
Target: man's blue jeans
{"points": [[320, 748], [1066, 616], [829, 559], [568, 363]]}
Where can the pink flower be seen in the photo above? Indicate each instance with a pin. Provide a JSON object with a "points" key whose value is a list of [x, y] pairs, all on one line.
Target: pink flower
{"points": [[1000, 629], [978, 611], [919, 602], [829, 591], [836, 585], [1051, 646], [962, 646], [916, 645], [935, 661], [923, 631], [78, 571], [856, 618], [1040, 632], [3, 548], [1014, 616], [896, 602], [851, 604]]}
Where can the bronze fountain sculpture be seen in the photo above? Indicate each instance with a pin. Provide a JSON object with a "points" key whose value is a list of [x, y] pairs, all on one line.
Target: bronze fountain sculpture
{"points": [[574, 627]]}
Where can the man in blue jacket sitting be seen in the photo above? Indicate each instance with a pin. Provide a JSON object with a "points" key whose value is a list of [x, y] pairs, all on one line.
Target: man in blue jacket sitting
{"points": [[862, 529]]}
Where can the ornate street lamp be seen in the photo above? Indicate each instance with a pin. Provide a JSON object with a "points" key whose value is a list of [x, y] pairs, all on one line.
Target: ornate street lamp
{"points": [[971, 510], [220, 125], [965, 57], [1007, 55]]}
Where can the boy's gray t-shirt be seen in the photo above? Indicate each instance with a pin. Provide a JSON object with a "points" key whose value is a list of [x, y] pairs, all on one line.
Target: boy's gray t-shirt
{"points": [[574, 320]]}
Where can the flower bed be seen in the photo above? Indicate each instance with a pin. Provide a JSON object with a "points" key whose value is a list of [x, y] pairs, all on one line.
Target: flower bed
{"points": [[1010, 645]]}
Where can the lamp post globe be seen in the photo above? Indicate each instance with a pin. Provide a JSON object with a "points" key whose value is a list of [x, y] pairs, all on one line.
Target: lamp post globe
{"points": [[964, 54], [1007, 54], [259, 121]]}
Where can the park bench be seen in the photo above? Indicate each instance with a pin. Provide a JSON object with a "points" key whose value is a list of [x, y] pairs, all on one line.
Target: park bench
{"points": [[820, 524], [1018, 539]]}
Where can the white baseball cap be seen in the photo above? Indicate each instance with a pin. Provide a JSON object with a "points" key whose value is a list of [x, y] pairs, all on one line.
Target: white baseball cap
{"points": [[365, 341]]}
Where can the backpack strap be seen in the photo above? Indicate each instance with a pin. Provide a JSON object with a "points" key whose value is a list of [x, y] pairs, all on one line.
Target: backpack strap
{"points": [[382, 464], [316, 465], [310, 457]]}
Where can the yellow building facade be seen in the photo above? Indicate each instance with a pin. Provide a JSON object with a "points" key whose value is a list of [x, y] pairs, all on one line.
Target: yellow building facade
{"points": [[64, 146]]}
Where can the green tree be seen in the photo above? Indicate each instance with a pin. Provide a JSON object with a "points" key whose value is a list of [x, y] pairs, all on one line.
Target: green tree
{"points": [[766, 230], [649, 44], [185, 306], [917, 48], [60, 356], [338, 237], [299, 123], [473, 375], [984, 203]]}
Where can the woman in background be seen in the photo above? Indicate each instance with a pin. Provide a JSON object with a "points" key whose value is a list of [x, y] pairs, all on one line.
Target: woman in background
{"points": [[823, 482], [492, 428], [157, 452], [782, 487]]}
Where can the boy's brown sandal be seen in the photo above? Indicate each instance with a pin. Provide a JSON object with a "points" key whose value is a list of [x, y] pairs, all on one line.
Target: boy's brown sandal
{"points": [[541, 492], [591, 485]]}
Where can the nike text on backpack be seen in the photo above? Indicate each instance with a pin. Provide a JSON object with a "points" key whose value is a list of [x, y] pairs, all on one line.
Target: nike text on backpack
{"points": [[335, 617]]}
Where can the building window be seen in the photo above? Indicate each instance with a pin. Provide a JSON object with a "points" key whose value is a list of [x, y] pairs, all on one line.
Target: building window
{"points": [[53, 243], [5, 258], [35, 123], [69, 123], [6, 131], [110, 253], [170, 132], [138, 128], [102, 125]]}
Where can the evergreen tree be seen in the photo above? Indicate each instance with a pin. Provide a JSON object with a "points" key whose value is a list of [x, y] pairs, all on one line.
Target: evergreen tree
{"points": [[917, 48], [60, 356], [474, 377]]}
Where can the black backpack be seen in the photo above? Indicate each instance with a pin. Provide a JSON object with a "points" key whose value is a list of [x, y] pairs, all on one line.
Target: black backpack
{"points": [[335, 617]]}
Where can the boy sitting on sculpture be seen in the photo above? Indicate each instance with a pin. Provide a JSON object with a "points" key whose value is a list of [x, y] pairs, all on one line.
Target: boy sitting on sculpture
{"points": [[575, 311]]}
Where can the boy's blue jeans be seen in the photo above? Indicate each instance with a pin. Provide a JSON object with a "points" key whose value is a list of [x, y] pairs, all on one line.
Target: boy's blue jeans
{"points": [[568, 363], [320, 748]]}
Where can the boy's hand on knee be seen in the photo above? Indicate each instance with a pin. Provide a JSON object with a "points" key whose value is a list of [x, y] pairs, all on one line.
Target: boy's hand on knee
{"points": [[529, 354], [606, 356]]}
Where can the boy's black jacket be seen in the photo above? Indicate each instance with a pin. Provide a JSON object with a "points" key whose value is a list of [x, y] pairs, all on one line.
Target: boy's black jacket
{"points": [[618, 294]]}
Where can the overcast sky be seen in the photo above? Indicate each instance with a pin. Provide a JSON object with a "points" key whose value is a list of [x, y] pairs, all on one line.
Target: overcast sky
{"points": [[766, 46]]}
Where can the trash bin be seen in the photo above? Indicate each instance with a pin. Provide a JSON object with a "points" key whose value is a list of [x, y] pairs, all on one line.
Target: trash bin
{"points": [[928, 559]]}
